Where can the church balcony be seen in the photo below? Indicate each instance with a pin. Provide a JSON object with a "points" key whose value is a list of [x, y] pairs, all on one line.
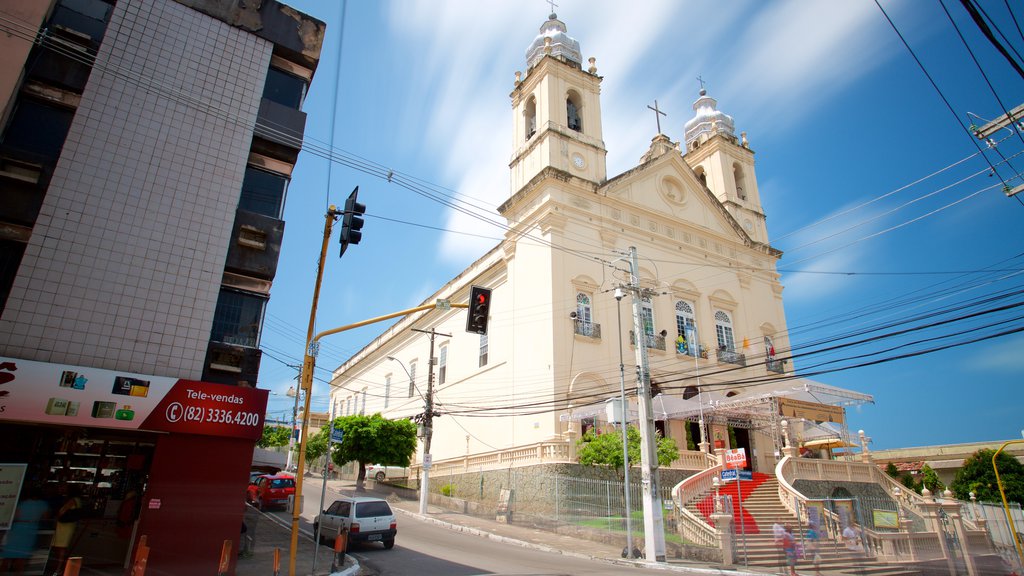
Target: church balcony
{"points": [[777, 366], [684, 349], [655, 341], [588, 329], [731, 357]]}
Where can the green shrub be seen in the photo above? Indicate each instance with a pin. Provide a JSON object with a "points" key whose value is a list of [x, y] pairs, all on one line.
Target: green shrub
{"points": [[448, 489]]}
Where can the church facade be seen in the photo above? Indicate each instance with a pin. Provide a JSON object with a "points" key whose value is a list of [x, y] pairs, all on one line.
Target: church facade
{"points": [[559, 344]]}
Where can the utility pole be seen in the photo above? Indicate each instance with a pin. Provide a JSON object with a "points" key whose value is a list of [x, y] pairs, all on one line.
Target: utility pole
{"points": [[654, 522], [428, 422]]}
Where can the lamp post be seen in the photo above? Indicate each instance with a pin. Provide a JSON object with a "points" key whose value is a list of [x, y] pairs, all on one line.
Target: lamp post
{"points": [[625, 441], [425, 469], [292, 393]]}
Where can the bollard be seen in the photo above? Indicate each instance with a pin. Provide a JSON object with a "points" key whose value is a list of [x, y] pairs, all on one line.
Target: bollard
{"points": [[225, 559], [277, 562], [340, 547], [141, 557], [73, 565]]}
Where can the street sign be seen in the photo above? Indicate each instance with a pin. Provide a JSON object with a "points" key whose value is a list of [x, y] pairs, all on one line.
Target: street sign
{"points": [[736, 458], [426, 461], [443, 304], [730, 474], [746, 474], [337, 434]]}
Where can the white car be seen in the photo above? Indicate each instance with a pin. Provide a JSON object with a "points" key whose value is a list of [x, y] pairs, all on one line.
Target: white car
{"points": [[379, 472], [367, 520]]}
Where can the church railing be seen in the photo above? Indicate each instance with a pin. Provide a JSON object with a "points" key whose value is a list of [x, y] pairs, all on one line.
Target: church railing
{"points": [[690, 490], [777, 366], [655, 341], [731, 357]]}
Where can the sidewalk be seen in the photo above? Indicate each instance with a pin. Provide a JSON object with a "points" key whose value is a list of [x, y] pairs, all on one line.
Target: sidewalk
{"points": [[270, 533]]}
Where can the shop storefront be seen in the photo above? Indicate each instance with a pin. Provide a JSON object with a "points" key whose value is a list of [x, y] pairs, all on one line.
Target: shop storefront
{"points": [[133, 455]]}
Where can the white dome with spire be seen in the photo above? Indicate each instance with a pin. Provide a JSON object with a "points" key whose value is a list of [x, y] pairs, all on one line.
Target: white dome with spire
{"points": [[708, 120], [562, 45]]}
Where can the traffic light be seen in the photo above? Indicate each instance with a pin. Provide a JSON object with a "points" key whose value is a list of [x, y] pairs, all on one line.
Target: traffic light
{"points": [[352, 221], [479, 308]]}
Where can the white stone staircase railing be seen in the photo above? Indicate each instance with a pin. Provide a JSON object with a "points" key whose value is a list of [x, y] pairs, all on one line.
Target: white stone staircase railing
{"points": [[692, 527]]}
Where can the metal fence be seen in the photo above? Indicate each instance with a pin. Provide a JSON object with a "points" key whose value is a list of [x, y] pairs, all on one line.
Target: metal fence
{"points": [[998, 525], [602, 504]]}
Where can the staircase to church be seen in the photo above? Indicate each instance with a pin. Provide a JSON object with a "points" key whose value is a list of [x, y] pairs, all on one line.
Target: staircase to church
{"points": [[752, 525]]}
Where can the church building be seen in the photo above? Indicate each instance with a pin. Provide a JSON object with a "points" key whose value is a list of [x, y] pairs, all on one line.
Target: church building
{"points": [[559, 344]]}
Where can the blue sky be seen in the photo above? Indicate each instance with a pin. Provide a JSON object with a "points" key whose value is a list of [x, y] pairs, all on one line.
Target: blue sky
{"points": [[880, 200]]}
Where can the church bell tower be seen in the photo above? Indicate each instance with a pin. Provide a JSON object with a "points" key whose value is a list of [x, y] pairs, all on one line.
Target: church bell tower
{"points": [[556, 111]]}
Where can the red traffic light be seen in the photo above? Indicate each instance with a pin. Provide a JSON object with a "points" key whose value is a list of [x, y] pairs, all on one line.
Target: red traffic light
{"points": [[479, 309]]}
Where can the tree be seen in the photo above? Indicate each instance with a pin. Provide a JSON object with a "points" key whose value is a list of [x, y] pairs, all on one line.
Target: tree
{"points": [[606, 448], [930, 479], [367, 440], [978, 476], [892, 470], [274, 436]]}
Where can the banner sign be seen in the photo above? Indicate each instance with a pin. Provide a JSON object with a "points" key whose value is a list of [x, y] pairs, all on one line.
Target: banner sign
{"points": [[736, 458], [885, 518], [813, 411], [81, 396]]}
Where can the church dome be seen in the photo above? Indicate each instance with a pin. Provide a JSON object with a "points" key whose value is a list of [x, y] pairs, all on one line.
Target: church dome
{"points": [[708, 120], [562, 45]]}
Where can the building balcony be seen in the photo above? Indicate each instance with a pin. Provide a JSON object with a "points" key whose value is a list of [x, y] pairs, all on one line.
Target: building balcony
{"points": [[731, 357], [777, 366], [588, 329], [255, 245], [691, 350], [655, 341], [282, 126], [232, 364]]}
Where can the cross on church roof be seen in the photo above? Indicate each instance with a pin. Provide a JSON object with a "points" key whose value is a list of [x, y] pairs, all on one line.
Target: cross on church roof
{"points": [[657, 114], [701, 80], [553, 5]]}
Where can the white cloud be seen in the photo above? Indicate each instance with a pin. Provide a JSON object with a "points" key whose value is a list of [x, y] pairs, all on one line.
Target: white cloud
{"points": [[794, 55]]}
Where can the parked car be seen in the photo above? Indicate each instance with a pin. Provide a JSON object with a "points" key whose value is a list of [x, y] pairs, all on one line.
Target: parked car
{"points": [[269, 490], [367, 520], [379, 472]]}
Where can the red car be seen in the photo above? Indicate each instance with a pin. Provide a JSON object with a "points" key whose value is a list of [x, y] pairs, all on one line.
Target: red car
{"points": [[270, 490]]}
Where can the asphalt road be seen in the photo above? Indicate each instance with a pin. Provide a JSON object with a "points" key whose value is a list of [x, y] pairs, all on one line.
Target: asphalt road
{"points": [[425, 549]]}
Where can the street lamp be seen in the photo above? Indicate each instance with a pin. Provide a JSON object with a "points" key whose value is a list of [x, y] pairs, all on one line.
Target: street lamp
{"points": [[425, 468], [292, 393], [619, 294]]}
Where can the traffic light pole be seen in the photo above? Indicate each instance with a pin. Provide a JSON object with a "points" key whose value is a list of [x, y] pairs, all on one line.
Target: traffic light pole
{"points": [[306, 379]]}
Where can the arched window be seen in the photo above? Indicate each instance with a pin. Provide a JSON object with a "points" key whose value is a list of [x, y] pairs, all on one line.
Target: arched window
{"points": [[584, 315], [573, 109], [737, 175], [686, 329], [701, 175], [531, 117], [647, 318], [723, 330], [689, 392]]}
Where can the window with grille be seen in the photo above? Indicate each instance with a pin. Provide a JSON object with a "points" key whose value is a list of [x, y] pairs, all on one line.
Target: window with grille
{"points": [[442, 365], [723, 330]]}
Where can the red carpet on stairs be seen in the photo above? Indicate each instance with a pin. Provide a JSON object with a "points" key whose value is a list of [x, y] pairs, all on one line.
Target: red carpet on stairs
{"points": [[707, 505]]}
